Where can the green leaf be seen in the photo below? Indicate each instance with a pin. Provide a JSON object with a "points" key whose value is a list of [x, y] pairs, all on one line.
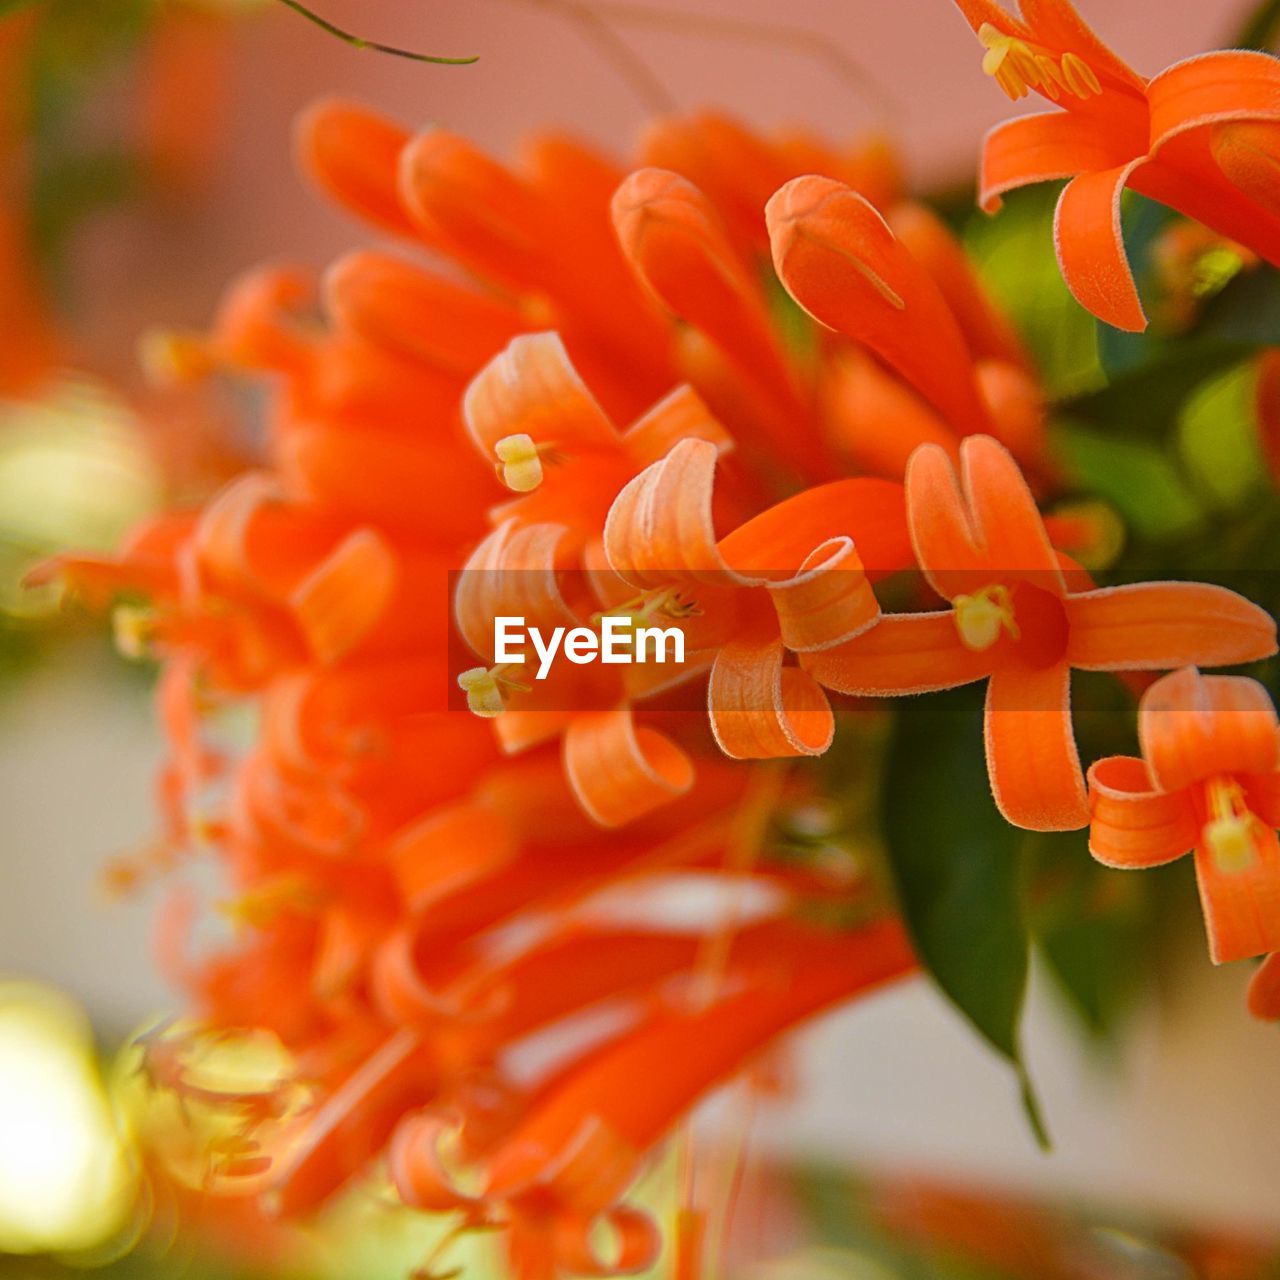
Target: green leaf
{"points": [[1260, 28], [1136, 477], [1218, 439], [1091, 924], [956, 869], [1013, 253]]}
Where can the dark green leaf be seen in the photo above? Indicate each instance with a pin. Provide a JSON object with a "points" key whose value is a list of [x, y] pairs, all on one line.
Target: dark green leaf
{"points": [[956, 868], [1259, 29], [1136, 477]]}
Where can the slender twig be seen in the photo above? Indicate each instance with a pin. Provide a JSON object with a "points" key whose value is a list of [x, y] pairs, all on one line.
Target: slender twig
{"points": [[810, 44], [359, 42], [592, 23]]}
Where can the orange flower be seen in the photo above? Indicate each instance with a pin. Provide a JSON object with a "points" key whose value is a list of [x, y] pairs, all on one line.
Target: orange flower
{"points": [[1208, 780], [1022, 622], [1202, 137]]}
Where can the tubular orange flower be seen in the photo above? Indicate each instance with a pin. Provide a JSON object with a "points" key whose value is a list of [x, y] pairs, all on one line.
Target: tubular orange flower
{"points": [[1202, 137], [1021, 621], [1208, 780]]}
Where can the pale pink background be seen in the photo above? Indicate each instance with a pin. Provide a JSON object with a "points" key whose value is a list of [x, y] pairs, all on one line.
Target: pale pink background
{"points": [[536, 70]]}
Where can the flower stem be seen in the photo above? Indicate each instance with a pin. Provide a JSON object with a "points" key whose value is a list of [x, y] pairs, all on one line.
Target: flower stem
{"points": [[358, 42]]}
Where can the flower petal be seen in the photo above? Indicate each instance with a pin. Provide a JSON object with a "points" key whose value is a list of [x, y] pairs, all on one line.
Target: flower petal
{"points": [[1214, 88], [979, 527], [988, 332], [827, 602], [399, 305], [1194, 727], [533, 389], [1091, 250], [840, 261], [660, 528], [1242, 905], [1031, 749], [1264, 989], [1057, 24], [619, 772], [344, 596], [902, 653], [1133, 824], [1160, 625], [1044, 148], [352, 154], [763, 711], [682, 415]]}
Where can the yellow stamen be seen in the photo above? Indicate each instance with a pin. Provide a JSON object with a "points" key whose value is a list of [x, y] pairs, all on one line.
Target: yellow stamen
{"points": [[266, 903], [133, 629], [1229, 834], [982, 616], [519, 462], [486, 687], [170, 358], [1018, 67]]}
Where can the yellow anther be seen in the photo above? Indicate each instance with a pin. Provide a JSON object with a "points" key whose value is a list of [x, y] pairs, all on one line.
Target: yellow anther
{"points": [[133, 629], [170, 358], [266, 903], [982, 616], [520, 462], [664, 602], [1229, 834], [1018, 67], [485, 689]]}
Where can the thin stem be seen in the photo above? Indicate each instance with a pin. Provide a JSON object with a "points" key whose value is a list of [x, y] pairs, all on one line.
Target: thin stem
{"points": [[594, 27], [359, 42], [808, 43]]}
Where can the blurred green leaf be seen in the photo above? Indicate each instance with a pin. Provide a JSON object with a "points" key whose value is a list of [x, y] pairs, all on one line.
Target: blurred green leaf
{"points": [[1259, 29], [1090, 923], [1218, 438], [1136, 477], [956, 870], [1013, 252]]}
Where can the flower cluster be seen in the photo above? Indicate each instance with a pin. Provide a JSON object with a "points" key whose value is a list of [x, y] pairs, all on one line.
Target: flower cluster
{"points": [[715, 389]]}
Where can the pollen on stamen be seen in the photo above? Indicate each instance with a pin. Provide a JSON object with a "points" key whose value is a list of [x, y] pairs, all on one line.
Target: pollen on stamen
{"points": [[1018, 67], [133, 630], [1229, 834], [982, 616], [520, 462]]}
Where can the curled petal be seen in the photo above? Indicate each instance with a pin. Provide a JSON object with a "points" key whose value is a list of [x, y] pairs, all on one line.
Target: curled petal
{"points": [[979, 527], [903, 653], [636, 1242], [660, 528], [1031, 749], [842, 264], [761, 710], [342, 599], [1195, 727], [1158, 625], [1133, 824], [1091, 250], [418, 1169], [533, 389], [512, 574], [619, 772], [827, 602]]}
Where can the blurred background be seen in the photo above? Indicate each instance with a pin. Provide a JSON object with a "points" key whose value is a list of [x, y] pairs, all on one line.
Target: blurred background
{"points": [[145, 159]]}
